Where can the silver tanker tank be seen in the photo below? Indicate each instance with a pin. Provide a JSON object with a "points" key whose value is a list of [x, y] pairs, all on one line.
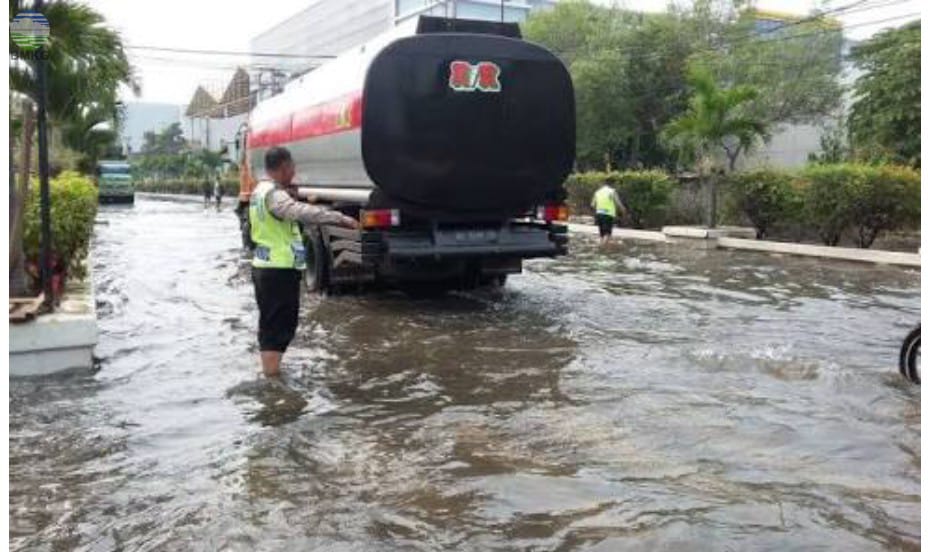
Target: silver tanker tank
{"points": [[435, 115]]}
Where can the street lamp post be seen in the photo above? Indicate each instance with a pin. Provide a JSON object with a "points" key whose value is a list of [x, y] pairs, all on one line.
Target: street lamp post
{"points": [[41, 67]]}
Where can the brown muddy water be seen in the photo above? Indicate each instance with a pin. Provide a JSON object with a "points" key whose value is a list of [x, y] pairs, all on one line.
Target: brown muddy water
{"points": [[641, 399]]}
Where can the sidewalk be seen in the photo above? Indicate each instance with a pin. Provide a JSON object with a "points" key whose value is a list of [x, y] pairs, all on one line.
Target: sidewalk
{"points": [[723, 238]]}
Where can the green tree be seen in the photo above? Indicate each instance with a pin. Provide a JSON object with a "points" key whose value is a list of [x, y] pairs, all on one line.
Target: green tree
{"points": [[794, 66], [885, 119], [629, 71], [715, 122], [169, 141], [86, 65]]}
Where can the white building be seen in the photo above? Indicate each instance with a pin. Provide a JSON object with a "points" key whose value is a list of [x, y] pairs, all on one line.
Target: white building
{"points": [[791, 144], [213, 123]]}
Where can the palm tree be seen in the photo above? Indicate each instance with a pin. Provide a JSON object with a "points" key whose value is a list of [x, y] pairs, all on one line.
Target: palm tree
{"points": [[86, 64], [715, 121]]}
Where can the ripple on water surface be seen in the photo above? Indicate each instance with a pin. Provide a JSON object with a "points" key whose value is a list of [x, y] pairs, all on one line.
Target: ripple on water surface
{"points": [[644, 397]]}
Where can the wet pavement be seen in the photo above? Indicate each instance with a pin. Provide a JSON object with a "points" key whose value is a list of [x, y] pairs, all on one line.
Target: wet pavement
{"points": [[644, 398]]}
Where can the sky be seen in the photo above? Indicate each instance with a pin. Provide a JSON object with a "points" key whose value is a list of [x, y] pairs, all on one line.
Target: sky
{"points": [[216, 25]]}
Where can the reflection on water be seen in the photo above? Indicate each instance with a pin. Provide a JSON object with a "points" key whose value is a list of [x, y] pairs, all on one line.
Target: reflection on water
{"points": [[646, 397]]}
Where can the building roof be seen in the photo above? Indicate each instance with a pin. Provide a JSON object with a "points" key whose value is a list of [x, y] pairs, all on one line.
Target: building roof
{"points": [[201, 105], [236, 98]]}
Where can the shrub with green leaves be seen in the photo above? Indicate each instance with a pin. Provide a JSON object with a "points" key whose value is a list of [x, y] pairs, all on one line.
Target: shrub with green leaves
{"points": [[869, 198], [73, 209], [646, 194], [766, 197], [828, 198], [886, 198]]}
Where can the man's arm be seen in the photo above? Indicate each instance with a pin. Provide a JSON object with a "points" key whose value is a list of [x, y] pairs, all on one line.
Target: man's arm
{"points": [[618, 202], [284, 207]]}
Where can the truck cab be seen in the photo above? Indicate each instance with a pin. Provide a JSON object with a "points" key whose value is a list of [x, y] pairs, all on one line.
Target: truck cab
{"points": [[114, 182]]}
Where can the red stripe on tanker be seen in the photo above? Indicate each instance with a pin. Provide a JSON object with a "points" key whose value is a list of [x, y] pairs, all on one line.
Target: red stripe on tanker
{"points": [[330, 117]]}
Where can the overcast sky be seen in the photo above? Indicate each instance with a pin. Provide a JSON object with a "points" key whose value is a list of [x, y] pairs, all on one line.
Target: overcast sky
{"points": [[219, 25]]}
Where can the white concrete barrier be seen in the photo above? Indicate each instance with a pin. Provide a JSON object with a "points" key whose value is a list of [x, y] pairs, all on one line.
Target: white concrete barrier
{"points": [[842, 253], [59, 341], [704, 238]]}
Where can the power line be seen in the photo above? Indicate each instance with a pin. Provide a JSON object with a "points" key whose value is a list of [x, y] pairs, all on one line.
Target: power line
{"points": [[750, 35], [657, 55], [227, 52], [207, 64]]}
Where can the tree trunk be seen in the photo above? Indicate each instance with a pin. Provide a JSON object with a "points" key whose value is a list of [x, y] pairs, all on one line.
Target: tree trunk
{"points": [[866, 235], [18, 199], [713, 200]]}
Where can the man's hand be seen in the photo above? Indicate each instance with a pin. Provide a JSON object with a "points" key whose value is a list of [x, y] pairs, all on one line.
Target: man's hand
{"points": [[348, 222]]}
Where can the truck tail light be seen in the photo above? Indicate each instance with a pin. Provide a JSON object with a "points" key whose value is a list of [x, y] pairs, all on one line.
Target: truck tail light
{"points": [[553, 212], [380, 218]]}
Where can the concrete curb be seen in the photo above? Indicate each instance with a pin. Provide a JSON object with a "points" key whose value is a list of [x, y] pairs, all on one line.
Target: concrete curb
{"points": [[824, 252], [622, 233], [171, 197], [60, 341], [703, 238]]}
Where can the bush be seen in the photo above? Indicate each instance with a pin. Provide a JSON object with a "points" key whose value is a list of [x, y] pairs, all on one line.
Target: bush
{"points": [[73, 209], [886, 198], [828, 198], [870, 198], [766, 197], [646, 194]]}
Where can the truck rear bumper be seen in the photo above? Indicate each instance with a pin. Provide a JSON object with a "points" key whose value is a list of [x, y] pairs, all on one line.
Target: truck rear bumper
{"points": [[377, 248], [515, 240]]}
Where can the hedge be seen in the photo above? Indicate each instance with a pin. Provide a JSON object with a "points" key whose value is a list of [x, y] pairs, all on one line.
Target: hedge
{"points": [[73, 209], [765, 197], [870, 199], [827, 198], [646, 194]]}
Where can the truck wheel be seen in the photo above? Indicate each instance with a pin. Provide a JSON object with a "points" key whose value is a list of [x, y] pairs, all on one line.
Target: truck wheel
{"points": [[317, 263], [910, 357]]}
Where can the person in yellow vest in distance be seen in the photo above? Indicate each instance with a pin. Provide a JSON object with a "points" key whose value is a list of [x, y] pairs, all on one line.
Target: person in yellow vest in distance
{"points": [[606, 204], [280, 257]]}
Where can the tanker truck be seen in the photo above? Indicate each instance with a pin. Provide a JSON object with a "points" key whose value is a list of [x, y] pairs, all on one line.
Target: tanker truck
{"points": [[448, 139]]}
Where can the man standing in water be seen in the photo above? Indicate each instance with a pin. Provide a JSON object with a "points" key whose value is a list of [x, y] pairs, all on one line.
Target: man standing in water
{"points": [[605, 203], [279, 257]]}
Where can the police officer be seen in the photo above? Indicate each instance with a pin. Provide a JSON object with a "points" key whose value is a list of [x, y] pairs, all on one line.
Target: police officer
{"points": [[606, 202], [279, 255]]}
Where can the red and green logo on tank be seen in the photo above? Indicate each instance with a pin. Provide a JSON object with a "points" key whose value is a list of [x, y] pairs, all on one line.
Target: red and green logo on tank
{"points": [[483, 76]]}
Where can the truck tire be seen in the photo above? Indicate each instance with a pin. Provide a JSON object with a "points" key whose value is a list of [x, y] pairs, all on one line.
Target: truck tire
{"points": [[910, 356], [317, 262]]}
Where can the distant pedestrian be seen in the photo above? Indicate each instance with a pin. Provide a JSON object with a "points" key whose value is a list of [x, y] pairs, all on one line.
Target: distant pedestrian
{"points": [[207, 192], [217, 191], [606, 203]]}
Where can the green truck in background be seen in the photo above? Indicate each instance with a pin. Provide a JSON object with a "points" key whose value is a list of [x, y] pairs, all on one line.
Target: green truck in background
{"points": [[114, 182]]}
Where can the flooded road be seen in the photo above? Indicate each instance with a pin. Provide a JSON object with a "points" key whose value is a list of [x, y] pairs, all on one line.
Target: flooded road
{"points": [[646, 398]]}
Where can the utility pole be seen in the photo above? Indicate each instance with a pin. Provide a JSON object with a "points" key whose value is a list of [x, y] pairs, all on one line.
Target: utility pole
{"points": [[41, 66]]}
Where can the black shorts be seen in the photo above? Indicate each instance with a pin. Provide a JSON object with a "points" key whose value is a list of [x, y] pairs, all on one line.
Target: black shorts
{"points": [[605, 223], [277, 291]]}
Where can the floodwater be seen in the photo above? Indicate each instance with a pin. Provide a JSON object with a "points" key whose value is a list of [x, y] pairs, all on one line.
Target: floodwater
{"points": [[645, 398]]}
